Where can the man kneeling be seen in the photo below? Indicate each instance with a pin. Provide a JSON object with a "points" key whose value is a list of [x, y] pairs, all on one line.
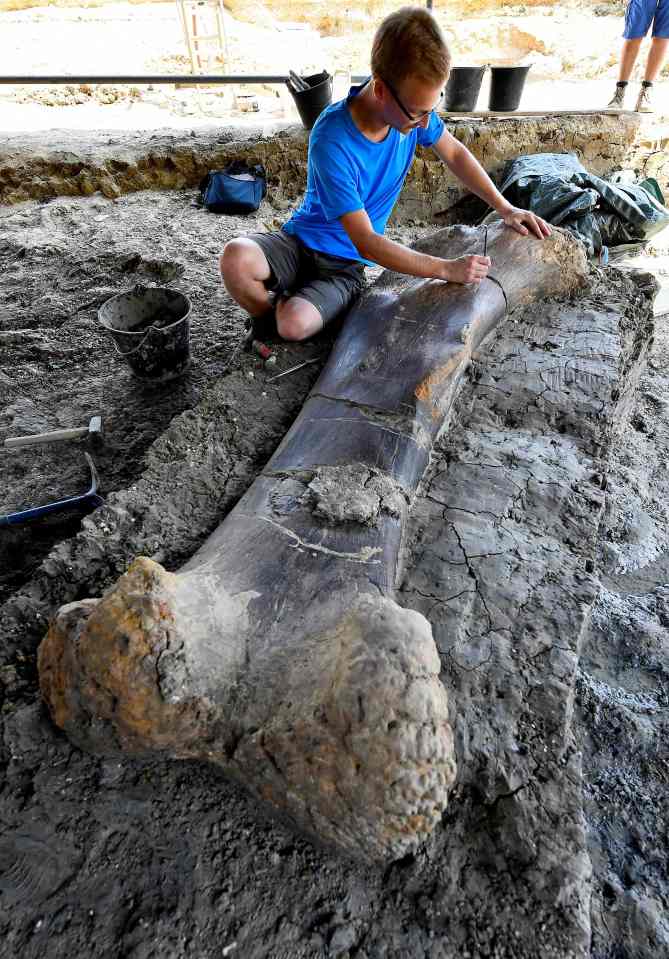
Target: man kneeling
{"points": [[360, 151]]}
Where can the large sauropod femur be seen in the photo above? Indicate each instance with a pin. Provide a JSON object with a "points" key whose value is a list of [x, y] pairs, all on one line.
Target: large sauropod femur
{"points": [[278, 651]]}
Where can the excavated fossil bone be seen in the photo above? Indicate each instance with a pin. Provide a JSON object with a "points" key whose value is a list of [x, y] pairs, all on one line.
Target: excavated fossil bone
{"points": [[278, 651]]}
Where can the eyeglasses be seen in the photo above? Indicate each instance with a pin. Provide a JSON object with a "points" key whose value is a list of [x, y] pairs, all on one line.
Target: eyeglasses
{"points": [[421, 116]]}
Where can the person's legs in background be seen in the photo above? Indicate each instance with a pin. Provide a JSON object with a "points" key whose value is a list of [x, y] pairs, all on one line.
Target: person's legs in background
{"points": [[656, 58], [638, 18], [629, 53]]}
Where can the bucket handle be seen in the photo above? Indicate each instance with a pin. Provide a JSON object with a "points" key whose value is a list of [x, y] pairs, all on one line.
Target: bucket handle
{"points": [[137, 288], [135, 348]]}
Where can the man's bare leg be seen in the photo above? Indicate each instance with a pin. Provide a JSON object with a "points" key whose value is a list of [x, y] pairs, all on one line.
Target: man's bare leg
{"points": [[297, 319], [628, 55], [656, 57], [244, 269], [630, 52]]}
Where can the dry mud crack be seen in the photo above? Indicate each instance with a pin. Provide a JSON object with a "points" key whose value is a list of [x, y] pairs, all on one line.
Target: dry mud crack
{"points": [[164, 858]]}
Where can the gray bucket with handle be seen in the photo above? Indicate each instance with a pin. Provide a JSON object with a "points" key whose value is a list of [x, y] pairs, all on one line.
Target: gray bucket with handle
{"points": [[150, 329]]}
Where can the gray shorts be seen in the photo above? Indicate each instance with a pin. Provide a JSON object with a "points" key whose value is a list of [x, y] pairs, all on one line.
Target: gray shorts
{"points": [[330, 283]]}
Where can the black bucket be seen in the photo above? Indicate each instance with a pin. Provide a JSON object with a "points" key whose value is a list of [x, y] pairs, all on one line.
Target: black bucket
{"points": [[311, 103], [506, 87], [150, 328], [462, 89]]}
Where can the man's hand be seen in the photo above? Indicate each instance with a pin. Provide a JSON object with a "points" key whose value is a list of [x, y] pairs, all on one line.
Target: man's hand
{"points": [[466, 269], [524, 222]]}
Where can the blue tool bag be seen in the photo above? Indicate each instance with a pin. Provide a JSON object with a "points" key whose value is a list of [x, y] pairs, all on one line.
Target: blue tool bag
{"points": [[238, 188]]}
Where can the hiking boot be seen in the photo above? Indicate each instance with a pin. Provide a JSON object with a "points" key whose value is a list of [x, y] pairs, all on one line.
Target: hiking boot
{"points": [[618, 101], [644, 103]]}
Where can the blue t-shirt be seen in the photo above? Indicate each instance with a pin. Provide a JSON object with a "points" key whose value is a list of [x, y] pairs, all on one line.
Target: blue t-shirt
{"points": [[348, 172]]}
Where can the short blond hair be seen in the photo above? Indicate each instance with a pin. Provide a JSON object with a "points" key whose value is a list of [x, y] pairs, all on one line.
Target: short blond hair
{"points": [[410, 43]]}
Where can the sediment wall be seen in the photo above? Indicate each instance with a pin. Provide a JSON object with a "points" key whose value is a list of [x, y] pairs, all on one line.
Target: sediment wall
{"points": [[74, 164]]}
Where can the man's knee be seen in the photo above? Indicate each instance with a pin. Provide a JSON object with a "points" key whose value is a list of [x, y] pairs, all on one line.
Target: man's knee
{"points": [[297, 320], [293, 327], [241, 257]]}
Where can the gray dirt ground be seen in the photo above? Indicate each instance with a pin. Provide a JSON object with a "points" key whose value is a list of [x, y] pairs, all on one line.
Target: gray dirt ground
{"points": [[623, 682], [555, 843], [60, 261]]}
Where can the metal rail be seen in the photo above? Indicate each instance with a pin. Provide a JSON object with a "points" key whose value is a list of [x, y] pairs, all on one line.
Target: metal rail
{"points": [[188, 78]]}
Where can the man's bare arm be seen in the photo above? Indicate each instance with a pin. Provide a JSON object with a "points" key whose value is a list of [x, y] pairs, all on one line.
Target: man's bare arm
{"points": [[470, 172], [395, 256]]}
